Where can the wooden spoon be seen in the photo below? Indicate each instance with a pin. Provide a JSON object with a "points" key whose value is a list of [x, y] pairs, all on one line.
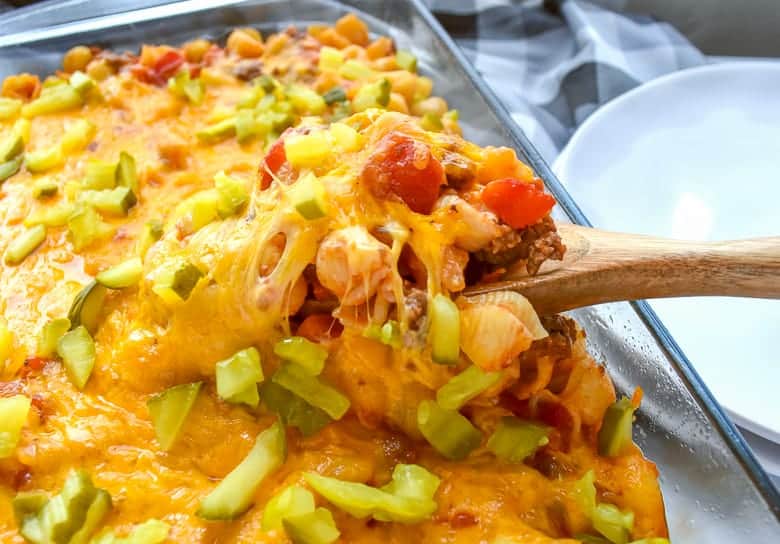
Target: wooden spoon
{"points": [[602, 266]]}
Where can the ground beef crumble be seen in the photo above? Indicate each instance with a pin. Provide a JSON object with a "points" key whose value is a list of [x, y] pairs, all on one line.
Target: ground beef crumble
{"points": [[535, 244]]}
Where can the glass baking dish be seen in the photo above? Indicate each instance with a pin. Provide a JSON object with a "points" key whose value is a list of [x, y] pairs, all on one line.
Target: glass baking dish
{"points": [[714, 489]]}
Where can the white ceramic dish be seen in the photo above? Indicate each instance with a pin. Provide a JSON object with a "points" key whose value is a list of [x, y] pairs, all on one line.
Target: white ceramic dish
{"points": [[696, 155]]}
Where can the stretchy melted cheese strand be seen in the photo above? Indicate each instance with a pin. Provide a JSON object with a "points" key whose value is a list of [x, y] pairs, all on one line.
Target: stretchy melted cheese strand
{"points": [[169, 410], [515, 439], [304, 353], [465, 386], [233, 495], [297, 380], [451, 434], [13, 416]]}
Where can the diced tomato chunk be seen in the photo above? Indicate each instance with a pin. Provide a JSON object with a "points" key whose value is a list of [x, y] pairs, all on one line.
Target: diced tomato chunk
{"points": [[168, 64], [404, 167], [517, 203], [272, 162]]}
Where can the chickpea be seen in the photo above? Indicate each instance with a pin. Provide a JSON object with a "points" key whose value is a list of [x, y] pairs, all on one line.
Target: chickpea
{"points": [[353, 29], [276, 42], [23, 86], [99, 69], [397, 103], [381, 47], [76, 58]]}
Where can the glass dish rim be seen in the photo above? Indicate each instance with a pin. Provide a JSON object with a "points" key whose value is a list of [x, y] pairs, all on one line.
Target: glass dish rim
{"points": [[681, 364]]}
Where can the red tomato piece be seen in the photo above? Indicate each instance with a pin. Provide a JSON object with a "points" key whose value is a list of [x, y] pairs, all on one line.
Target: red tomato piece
{"points": [[517, 203], [167, 65], [404, 167], [272, 162]]}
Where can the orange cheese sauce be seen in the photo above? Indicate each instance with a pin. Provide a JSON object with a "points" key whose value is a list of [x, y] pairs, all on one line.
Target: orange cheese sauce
{"points": [[144, 346]]}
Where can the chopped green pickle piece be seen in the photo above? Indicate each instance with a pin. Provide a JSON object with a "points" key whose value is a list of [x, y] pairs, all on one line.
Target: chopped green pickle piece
{"points": [[100, 507], [407, 498], [590, 539], [303, 352], [55, 99], [233, 495], [317, 393], [249, 396], [176, 281], [183, 86], [465, 386], [13, 416], [292, 409], [9, 168], [305, 100], [77, 350], [444, 332], [315, 527], [308, 150], [9, 108], [24, 244], [239, 374], [50, 216], [372, 95], [169, 410], [309, 197], [293, 501], [28, 503], [266, 82], [336, 94], [218, 131], [250, 125], [612, 523], [514, 439], [72, 515], [87, 227], [152, 531], [406, 60], [232, 194], [11, 145], [431, 122], [615, 432], [99, 174], [117, 201], [45, 159], [87, 306], [355, 70], [81, 82], [151, 232], [450, 433], [77, 136], [198, 210], [50, 335], [44, 188], [126, 174], [125, 274]]}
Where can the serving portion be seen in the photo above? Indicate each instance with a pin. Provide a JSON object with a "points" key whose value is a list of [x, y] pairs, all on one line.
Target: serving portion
{"points": [[232, 296]]}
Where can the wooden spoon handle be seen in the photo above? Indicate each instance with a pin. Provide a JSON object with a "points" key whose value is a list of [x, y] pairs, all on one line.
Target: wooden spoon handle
{"points": [[605, 266]]}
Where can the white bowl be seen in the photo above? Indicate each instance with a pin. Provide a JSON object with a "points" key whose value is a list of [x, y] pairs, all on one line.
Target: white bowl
{"points": [[696, 155]]}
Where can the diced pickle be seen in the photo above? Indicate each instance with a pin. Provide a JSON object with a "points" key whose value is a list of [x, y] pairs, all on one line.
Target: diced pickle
{"points": [[87, 307], [50, 335], [217, 132], [124, 274], [406, 60], [176, 281], [239, 374], [60, 98], [515, 439], [169, 410], [24, 244], [294, 500], [317, 393], [444, 332], [126, 175], [308, 197], [615, 432], [28, 503], [315, 527], [233, 495], [117, 201], [306, 354], [451, 434], [50, 216], [13, 416], [232, 194], [9, 168], [372, 95], [292, 409], [44, 188], [100, 174], [9, 108], [336, 94], [45, 159], [465, 386], [77, 350]]}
